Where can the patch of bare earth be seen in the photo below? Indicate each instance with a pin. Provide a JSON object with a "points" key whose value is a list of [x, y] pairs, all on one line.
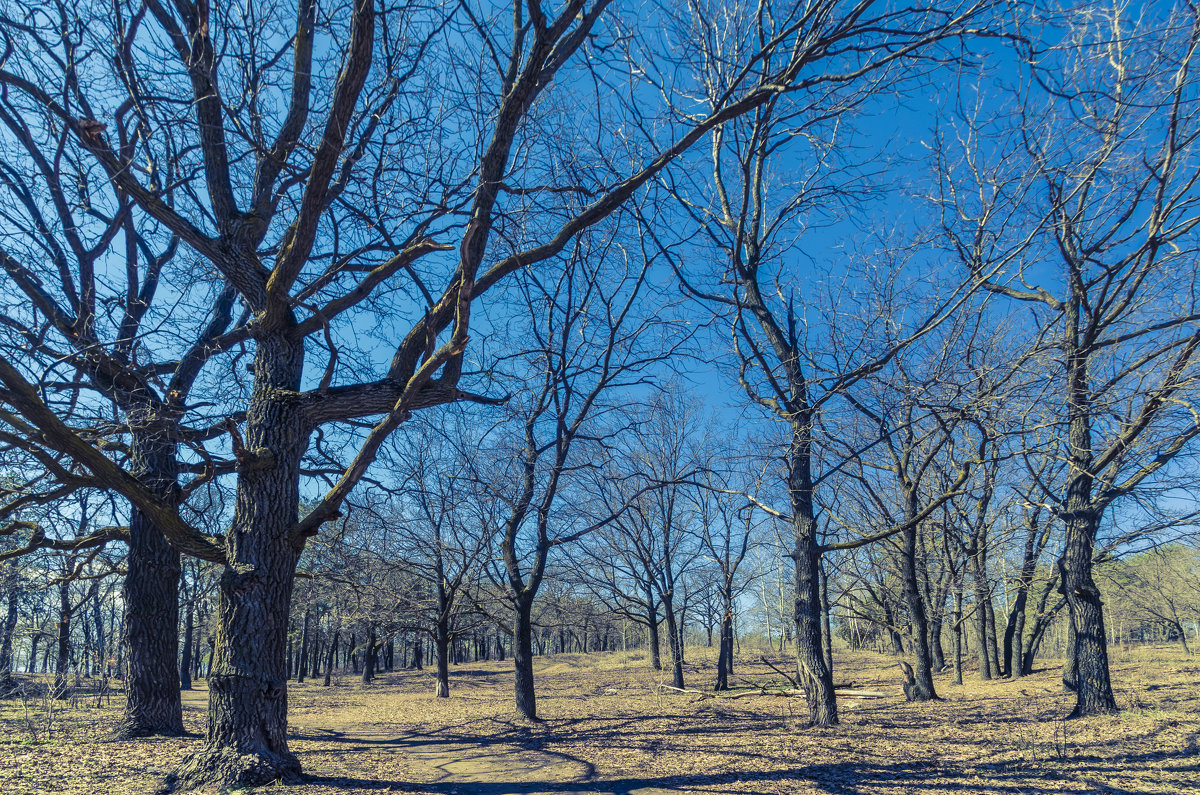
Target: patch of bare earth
{"points": [[611, 727]]}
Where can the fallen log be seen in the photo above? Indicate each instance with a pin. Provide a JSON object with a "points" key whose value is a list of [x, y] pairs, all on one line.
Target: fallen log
{"points": [[860, 693], [679, 689], [796, 693]]}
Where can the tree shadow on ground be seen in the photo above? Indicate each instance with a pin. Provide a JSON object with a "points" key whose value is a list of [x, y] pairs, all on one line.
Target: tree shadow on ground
{"points": [[1015, 777]]}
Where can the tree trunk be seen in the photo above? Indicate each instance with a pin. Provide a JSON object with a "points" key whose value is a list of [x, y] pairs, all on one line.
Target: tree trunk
{"points": [[418, 658], [185, 662], [302, 666], [652, 631], [923, 685], [62, 658], [31, 666], [370, 656], [806, 559], [958, 634], [150, 630], [826, 629], [7, 683], [246, 742], [442, 653], [523, 660], [937, 653], [993, 647], [1093, 691], [725, 652], [818, 678], [673, 643], [1070, 671], [980, 622], [1014, 631], [330, 659]]}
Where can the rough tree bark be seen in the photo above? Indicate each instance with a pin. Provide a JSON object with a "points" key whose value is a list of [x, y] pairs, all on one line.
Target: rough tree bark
{"points": [[246, 740], [149, 631], [923, 671], [441, 642], [523, 685]]}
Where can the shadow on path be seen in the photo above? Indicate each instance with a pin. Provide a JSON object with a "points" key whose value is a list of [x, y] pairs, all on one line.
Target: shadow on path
{"points": [[848, 778]]}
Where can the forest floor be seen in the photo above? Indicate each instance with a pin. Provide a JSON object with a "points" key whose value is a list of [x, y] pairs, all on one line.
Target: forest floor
{"points": [[610, 727]]}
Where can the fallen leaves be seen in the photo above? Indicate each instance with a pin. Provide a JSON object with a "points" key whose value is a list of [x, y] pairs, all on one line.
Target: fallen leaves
{"points": [[609, 721]]}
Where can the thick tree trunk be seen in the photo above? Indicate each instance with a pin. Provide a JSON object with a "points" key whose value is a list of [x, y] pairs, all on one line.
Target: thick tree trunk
{"points": [[992, 645], [370, 656], [1070, 670], [923, 670], [246, 742], [980, 622], [807, 611], [1093, 688], [1014, 632], [1093, 692], [150, 630], [725, 652], [526, 698]]}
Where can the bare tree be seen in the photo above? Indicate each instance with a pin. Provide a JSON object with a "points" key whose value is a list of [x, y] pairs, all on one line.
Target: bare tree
{"points": [[593, 343], [725, 526], [1092, 184], [320, 183]]}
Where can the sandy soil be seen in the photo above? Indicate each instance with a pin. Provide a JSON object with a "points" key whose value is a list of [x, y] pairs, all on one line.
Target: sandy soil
{"points": [[610, 727]]}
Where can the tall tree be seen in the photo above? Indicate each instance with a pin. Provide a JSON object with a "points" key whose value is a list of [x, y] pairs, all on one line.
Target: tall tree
{"points": [[1092, 182], [322, 182], [748, 211]]}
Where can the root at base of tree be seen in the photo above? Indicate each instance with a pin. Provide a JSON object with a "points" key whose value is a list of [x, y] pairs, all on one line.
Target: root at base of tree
{"points": [[228, 768]]}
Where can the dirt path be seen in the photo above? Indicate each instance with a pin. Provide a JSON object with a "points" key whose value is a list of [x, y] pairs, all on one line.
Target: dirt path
{"points": [[470, 769]]}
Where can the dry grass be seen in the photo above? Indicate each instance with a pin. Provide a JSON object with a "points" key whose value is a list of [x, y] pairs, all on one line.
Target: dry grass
{"points": [[610, 728]]}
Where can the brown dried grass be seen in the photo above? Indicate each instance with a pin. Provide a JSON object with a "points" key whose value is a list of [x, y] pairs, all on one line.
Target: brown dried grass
{"points": [[610, 727]]}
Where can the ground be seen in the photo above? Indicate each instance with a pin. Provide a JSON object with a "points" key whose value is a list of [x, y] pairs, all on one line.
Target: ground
{"points": [[610, 727]]}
